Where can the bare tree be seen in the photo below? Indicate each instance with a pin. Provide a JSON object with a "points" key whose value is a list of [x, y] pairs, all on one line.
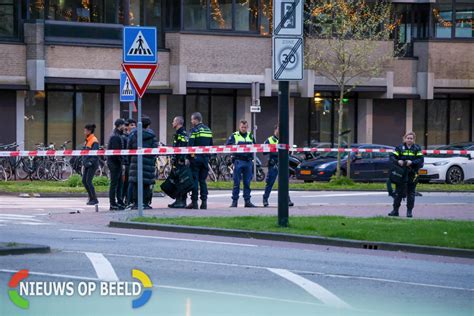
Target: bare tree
{"points": [[348, 43]]}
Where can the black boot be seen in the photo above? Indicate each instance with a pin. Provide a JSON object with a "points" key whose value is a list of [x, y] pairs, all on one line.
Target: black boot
{"points": [[171, 205], [249, 204], [192, 205], [204, 205], [393, 213], [265, 202], [234, 203], [290, 203], [409, 213]]}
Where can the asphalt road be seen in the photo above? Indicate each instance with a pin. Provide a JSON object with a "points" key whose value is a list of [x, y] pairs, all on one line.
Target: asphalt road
{"points": [[204, 275]]}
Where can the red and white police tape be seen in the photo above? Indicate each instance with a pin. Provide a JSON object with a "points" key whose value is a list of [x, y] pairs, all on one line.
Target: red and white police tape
{"points": [[226, 149]]}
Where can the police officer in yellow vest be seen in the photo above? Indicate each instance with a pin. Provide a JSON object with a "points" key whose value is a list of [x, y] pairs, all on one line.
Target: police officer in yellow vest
{"points": [[272, 168], [243, 166], [409, 156]]}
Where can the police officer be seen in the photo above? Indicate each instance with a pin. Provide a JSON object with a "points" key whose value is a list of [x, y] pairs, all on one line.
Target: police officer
{"points": [[410, 156], [180, 139], [272, 168], [200, 135], [243, 166], [116, 141], [130, 125]]}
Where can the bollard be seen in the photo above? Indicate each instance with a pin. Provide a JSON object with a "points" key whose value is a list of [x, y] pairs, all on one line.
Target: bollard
{"points": [[97, 207]]}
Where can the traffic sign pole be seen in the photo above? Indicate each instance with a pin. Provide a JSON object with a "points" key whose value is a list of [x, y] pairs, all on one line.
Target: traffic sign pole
{"points": [[130, 110], [283, 172], [140, 159]]}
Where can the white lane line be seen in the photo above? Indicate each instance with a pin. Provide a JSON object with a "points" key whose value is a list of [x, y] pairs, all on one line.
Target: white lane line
{"points": [[16, 215], [102, 266], [353, 277], [74, 277], [344, 194], [312, 288], [162, 238]]}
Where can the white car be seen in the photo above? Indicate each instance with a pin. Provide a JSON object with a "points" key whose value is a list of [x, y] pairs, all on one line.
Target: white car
{"points": [[448, 168]]}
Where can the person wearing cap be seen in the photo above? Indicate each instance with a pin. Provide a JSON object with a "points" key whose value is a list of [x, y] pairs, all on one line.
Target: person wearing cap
{"points": [[116, 142]]}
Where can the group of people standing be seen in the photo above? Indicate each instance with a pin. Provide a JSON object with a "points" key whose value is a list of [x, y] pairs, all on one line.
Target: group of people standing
{"points": [[123, 169], [124, 175]]}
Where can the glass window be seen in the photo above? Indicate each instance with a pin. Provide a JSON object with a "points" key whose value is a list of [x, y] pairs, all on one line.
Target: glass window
{"points": [[173, 14], [443, 18], [60, 117], [348, 119], [34, 119], [222, 118], [197, 103], [221, 14], [437, 122], [96, 11], [464, 16], [7, 18], [419, 121], [88, 111], [266, 17], [195, 12], [301, 121], [175, 108], [320, 120], [246, 15], [459, 121], [36, 9]]}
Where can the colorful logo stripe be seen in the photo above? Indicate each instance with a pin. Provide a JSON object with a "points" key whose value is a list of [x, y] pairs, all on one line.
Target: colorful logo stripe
{"points": [[146, 282], [13, 293]]}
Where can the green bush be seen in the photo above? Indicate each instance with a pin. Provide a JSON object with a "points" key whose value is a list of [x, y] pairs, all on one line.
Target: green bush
{"points": [[101, 181], [74, 181], [341, 181]]}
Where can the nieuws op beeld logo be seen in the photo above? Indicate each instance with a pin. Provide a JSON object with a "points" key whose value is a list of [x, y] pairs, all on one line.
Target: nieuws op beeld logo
{"points": [[20, 289]]}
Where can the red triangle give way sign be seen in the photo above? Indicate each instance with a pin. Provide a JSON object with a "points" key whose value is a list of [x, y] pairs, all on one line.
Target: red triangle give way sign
{"points": [[140, 75]]}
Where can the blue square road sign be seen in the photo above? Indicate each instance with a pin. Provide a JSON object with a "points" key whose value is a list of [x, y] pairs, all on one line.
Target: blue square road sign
{"points": [[127, 91], [139, 45]]}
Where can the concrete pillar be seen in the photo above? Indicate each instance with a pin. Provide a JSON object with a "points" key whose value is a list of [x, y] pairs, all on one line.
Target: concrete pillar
{"points": [[163, 118], [111, 112], [365, 121], [243, 109], [35, 57], [409, 120], [20, 119]]}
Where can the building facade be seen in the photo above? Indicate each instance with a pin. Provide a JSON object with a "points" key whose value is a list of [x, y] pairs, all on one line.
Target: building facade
{"points": [[60, 62]]}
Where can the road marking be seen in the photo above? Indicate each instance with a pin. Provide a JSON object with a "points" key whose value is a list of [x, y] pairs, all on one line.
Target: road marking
{"points": [[74, 277], [354, 277], [163, 238], [16, 215], [312, 288], [102, 266], [21, 220], [344, 194]]}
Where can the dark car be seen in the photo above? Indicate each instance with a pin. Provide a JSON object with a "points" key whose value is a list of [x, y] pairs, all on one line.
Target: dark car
{"points": [[365, 166]]}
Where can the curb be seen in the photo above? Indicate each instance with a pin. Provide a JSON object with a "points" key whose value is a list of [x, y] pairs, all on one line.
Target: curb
{"points": [[24, 249], [62, 195], [337, 242]]}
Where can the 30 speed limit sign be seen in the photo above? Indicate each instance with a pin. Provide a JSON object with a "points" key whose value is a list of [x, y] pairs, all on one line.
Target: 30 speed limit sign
{"points": [[288, 58]]}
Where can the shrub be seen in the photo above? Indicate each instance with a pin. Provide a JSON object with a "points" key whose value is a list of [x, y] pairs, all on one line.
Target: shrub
{"points": [[74, 181], [341, 181], [101, 181]]}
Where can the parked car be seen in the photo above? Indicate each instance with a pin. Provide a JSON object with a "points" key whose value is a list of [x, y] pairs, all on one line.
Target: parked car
{"points": [[364, 166], [450, 169]]}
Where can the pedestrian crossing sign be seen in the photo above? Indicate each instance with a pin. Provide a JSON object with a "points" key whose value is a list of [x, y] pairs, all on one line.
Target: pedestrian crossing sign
{"points": [[127, 92], [139, 45]]}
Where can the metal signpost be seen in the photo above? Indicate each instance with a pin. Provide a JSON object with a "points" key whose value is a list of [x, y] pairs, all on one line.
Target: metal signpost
{"points": [[287, 65], [255, 108], [140, 59]]}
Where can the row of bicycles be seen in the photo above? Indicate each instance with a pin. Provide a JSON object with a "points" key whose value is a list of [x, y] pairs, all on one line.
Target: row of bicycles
{"points": [[61, 168]]}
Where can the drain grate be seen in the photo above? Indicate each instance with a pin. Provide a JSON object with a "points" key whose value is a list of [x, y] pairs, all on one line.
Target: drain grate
{"points": [[371, 247]]}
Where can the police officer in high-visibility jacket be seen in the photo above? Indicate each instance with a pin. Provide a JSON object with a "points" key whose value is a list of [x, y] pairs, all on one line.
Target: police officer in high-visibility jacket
{"points": [[180, 139], [200, 135], [272, 168], [243, 166], [409, 156]]}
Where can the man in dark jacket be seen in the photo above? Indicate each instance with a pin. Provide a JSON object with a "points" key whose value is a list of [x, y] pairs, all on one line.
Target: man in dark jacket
{"points": [[130, 125], [180, 139], [116, 142], [149, 141], [409, 156]]}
